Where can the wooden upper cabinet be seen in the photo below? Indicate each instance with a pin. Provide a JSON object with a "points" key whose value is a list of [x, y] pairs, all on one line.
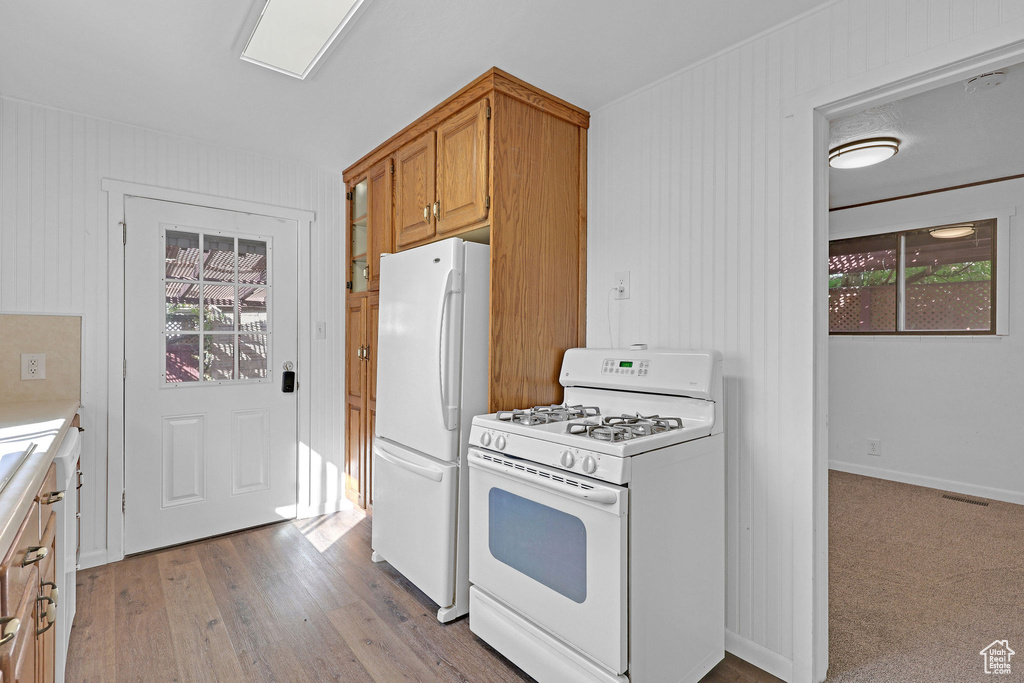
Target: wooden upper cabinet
{"points": [[380, 238], [414, 191], [502, 162], [462, 161]]}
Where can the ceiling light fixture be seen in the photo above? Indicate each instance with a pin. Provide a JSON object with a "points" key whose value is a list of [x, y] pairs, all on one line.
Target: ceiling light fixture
{"points": [[860, 153], [291, 36], [952, 231]]}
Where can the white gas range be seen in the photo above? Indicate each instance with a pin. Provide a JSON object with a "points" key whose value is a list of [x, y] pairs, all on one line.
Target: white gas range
{"points": [[597, 535]]}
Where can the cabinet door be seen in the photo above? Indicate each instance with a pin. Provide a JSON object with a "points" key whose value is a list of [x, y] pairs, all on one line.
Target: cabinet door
{"points": [[372, 314], [414, 191], [462, 162], [354, 454], [379, 233], [46, 640], [18, 657], [355, 335], [355, 399]]}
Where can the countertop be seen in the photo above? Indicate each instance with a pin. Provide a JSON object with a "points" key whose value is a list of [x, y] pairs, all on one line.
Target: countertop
{"points": [[41, 422]]}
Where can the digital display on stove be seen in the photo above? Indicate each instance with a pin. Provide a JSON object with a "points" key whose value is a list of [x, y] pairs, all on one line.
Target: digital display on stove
{"points": [[625, 363]]}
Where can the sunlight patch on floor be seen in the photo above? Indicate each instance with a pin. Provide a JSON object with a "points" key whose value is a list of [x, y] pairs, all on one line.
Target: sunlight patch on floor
{"points": [[325, 531]]}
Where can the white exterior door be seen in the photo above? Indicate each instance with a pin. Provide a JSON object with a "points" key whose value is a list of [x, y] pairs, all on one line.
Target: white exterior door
{"points": [[210, 319]]}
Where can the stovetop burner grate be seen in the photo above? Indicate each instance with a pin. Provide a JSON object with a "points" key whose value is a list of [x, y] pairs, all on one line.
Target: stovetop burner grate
{"points": [[547, 414], [625, 427]]}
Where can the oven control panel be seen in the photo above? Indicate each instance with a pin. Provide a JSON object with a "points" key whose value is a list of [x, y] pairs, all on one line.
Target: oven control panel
{"points": [[577, 460], [634, 367]]}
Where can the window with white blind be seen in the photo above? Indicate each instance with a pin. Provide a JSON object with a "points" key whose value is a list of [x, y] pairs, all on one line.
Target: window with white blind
{"points": [[935, 280]]}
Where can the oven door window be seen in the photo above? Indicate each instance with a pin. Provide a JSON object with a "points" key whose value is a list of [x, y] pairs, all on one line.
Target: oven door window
{"points": [[548, 545]]}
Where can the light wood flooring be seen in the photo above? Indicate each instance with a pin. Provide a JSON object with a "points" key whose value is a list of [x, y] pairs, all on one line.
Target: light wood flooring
{"points": [[297, 601]]}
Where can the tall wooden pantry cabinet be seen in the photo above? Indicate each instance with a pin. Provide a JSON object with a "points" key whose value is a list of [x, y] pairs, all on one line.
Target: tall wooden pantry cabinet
{"points": [[499, 162]]}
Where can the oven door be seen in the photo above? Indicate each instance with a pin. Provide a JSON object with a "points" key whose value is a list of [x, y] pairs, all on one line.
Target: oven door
{"points": [[552, 546]]}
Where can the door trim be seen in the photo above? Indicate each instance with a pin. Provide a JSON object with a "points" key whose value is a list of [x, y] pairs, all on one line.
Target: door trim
{"points": [[118, 192]]}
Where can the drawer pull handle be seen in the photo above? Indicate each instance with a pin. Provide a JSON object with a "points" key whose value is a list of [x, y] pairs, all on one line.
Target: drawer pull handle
{"points": [[54, 592], [52, 497], [50, 614], [81, 479], [35, 554], [11, 626], [426, 212], [437, 209]]}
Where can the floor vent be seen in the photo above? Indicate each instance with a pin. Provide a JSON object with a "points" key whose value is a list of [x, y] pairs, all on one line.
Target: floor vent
{"points": [[962, 499]]}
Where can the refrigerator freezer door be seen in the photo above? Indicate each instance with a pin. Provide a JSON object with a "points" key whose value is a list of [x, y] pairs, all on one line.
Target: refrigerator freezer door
{"points": [[419, 348], [414, 517]]}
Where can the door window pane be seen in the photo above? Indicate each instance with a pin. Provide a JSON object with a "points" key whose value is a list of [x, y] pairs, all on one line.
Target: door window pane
{"points": [[862, 283], [181, 258], [252, 309], [948, 281], [252, 261], [252, 356], [218, 258], [225, 306], [548, 545], [181, 357], [219, 308], [182, 306], [218, 357]]}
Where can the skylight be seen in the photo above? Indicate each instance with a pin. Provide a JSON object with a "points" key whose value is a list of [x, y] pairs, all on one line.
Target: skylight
{"points": [[292, 35]]}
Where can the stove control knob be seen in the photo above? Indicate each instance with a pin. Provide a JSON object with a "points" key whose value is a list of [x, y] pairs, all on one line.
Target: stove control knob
{"points": [[485, 439], [499, 443], [589, 464], [567, 460]]}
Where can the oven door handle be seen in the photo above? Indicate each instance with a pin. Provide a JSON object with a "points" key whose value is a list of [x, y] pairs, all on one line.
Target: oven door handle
{"points": [[426, 472], [596, 495]]}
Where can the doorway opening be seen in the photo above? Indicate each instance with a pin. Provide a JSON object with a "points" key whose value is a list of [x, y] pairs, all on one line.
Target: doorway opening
{"points": [[925, 494]]}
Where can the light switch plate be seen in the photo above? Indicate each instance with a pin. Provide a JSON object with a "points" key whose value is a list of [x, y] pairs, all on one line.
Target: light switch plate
{"points": [[33, 366]]}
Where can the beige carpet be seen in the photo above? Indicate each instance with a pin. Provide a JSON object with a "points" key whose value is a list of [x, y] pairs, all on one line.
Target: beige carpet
{"points": [[919, 584]]}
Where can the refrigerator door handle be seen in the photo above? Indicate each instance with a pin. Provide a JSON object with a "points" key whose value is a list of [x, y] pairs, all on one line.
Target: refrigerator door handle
{"points": [[449, 413], [432, 473]]}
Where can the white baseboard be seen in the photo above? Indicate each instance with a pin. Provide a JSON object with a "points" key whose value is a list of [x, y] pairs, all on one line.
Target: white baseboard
{"points": [[91, 559], [325, 508], [1005, 495], [758, 655]]}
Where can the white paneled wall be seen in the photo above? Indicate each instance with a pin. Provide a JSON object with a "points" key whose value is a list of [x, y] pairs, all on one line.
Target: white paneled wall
{"points": [[53, 254], [687, 192]]}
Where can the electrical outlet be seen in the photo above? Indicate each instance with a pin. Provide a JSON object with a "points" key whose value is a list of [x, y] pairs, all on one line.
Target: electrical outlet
{"points": [[621, 284], [321, 330], [33, 366], [874, 446]]}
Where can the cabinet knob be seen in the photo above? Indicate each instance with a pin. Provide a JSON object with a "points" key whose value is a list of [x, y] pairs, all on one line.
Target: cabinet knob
{"points": [[50, 614], [35, 554], [54, 592], [11, 626], [52, 497]]}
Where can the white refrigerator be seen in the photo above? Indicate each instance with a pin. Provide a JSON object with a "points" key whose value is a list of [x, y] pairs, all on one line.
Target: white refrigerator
{"points": [[432, 343]]}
